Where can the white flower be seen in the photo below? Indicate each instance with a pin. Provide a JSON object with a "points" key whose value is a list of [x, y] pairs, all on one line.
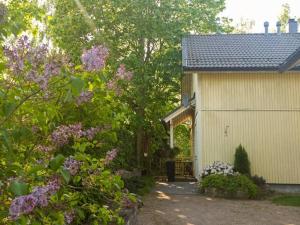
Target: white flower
{"points": [[218, 168]]}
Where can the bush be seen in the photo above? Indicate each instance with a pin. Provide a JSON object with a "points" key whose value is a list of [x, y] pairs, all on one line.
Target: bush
{"points": [[239, 186], [259, 181], [140, 185], [241, 161], [218, 168]]}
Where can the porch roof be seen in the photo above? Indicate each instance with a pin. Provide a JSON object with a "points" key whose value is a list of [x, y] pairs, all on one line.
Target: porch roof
{"points": [[179, 115]]}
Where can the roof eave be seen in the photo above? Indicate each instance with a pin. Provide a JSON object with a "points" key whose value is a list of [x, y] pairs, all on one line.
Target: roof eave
{"points": [[290, 62], [235, 69]]}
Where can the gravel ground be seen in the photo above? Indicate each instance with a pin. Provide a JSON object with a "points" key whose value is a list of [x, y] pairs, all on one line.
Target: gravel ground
{"points": [[178, 204]]}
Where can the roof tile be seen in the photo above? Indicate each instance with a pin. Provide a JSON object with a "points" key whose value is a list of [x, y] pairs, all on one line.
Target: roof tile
{"points": [[234, 51]]}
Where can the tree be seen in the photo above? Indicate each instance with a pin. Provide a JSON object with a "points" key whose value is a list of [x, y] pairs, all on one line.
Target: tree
{"points": [[146, 36], [182, 134], [244, 26], [284, 16]]}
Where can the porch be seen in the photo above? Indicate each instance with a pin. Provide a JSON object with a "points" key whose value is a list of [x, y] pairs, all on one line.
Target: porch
{"points": [[184, 164]]}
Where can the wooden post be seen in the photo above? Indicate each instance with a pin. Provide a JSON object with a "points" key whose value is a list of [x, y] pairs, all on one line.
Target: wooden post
{"points": [[171, 134]]}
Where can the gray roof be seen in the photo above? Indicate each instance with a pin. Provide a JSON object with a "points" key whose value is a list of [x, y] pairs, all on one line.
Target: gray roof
{"points": [[238, 51]]}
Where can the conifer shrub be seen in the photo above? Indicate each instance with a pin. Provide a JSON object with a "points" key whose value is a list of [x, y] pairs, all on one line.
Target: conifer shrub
{"points": [[241, 161]]}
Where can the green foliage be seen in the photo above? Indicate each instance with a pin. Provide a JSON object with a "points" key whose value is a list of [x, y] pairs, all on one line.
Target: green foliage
{"points": [[241, 161], [182, 135], [56, 162], [259, 181], [19, 188], [288, 200], [146, 36], [284, 16], [229, 186], [140, 185]]}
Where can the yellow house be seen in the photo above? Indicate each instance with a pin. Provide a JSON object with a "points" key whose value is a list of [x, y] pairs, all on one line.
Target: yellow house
{"points": [[243, 89]]}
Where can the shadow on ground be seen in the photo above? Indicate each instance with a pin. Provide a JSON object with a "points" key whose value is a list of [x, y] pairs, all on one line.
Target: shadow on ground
{"points": [[179, 204]]}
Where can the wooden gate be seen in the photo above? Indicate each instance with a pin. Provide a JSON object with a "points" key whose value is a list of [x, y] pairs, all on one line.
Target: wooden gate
{"points": [[184, 167]]}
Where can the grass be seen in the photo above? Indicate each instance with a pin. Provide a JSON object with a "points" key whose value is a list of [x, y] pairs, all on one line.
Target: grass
{"points": [[289, 200]]}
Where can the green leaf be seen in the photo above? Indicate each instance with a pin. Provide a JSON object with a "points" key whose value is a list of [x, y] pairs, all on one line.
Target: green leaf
{"points": [[4, 138], [80, 213], [19, 188], [2, 94], [77, 84], [8, 108], [65, 174], [2, 66], [57, 162], [68, 97]]}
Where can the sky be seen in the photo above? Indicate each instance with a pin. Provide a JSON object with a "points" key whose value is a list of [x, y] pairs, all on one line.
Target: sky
{"points": [[259, 11]]}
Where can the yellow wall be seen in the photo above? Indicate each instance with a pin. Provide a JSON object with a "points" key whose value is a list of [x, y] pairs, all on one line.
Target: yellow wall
{"points": [[258, 110]]}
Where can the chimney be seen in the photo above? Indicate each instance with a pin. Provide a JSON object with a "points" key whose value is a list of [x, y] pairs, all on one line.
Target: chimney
{"points": [[293, 26], [266, 24], [278, 25]]}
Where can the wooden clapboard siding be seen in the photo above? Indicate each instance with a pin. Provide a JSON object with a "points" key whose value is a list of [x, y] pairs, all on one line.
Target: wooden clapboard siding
{"points": [[187, 85], [258, 110]]}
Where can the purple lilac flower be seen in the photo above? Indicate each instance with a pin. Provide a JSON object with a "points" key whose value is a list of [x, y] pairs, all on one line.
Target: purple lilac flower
{"points": [[38, 198], [91, 133], [111, 84], [42, 196], [75, 130], [43, 193], [69, 216], [123, 74], [110, 156], [22, 205], [23, 52], [84, 96], [54, 185], [72, 165], [16, 54], [52, 68], [127, 203], [45, 149], [94, 58], [63, 133], [35, 129]]}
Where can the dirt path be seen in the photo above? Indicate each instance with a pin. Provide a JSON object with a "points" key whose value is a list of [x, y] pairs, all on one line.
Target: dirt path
{"points": [[177, 204]]}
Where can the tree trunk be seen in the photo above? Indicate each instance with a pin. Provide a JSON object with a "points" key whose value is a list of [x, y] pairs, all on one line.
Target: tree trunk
{"points": [[140, 136]]}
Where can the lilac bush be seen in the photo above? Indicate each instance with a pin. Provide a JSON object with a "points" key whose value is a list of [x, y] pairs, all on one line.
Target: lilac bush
{"points": [[123, 74], [22, 205], [38, 198], [33, 63], [85, 96], [69, 216], [110, 156], [61, 170], [94, 58], [61, 136], [72, 165]]}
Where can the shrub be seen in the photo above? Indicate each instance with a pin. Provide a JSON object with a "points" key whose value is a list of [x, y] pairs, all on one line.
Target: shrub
{"points": [[229, 186], [140, 185], [259, 181], [241, 161], [218, 168]]}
